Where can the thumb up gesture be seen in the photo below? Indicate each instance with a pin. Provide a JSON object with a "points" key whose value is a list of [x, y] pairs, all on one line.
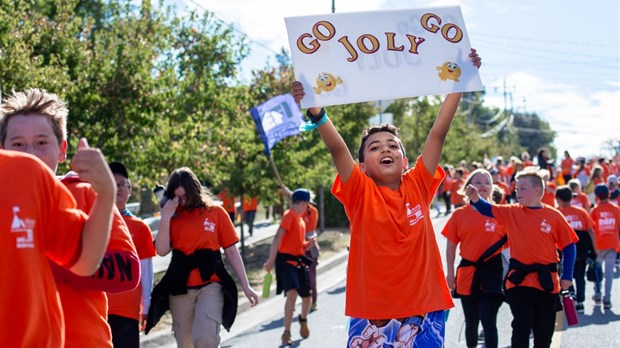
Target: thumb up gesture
{"points": [[91, 166]]}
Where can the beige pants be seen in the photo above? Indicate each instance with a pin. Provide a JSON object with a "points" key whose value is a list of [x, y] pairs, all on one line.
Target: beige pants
{"points": [[196, 317]]}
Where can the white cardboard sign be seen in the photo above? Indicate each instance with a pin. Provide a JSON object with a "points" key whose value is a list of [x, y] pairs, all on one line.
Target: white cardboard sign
{"points": [[355, 57]]}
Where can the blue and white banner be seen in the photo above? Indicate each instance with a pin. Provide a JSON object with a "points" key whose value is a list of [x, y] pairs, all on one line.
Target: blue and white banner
{"points": [[276, 119]]}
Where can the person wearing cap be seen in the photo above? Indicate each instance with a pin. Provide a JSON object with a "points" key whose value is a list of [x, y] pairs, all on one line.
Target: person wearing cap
{"points": [[580, 221], [127, 310], [287, 254], [311, 219], [606, 217]]}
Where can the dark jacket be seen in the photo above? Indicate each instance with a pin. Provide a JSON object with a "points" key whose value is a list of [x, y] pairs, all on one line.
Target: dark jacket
{"points": [[174, 282]]}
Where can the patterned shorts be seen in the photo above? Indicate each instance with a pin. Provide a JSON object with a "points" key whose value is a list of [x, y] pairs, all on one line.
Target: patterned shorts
{"points": [[412, 332]]}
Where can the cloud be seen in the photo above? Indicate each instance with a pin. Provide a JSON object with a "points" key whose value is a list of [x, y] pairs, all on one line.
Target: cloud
{"points": [[583, 122]]}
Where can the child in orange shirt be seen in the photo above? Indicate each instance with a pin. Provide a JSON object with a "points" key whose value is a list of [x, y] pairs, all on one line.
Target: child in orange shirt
{"points": [[479, 284], [39, 222], [127, 310], [535, 232], [197, 288], [393, 296], [287, 253], [34, 121], [606, 217], [580, 221]]}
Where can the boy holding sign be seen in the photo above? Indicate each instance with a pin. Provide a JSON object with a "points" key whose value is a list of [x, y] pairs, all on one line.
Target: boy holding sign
{"points": [[396, 290]]}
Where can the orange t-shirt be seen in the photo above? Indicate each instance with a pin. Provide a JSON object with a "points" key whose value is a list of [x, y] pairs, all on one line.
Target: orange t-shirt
{"points": [[311, 218], [606, 217], [394, 268], [581, 200], [250, 204], [228, 202], [127, 304], [549, 195], [534, 235], [567, 166], [38, 220], [293, 240], [475, 233], [201, 229], [455, 196], [577, 217], [79, 303]]}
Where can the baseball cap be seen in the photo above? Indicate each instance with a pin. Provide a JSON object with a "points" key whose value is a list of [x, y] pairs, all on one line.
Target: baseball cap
{"points": [[119, 168], [302, 194], [612, 179], [601, 191], [494, 171]]}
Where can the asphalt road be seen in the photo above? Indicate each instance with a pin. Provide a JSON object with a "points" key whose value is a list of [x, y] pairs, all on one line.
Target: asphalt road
{"points": [[262, 326]]}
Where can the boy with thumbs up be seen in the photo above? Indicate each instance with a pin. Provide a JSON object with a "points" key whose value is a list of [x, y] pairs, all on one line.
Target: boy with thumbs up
{"points": [[34, 121]]}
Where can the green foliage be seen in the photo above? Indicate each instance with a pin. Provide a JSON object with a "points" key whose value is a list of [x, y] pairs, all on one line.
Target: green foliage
{"points": [[158, 90]]}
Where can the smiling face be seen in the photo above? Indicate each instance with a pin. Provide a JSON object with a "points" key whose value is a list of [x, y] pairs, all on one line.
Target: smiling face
{"points": [[384, 160], [33, 134], [482, 181], [326, 81]]}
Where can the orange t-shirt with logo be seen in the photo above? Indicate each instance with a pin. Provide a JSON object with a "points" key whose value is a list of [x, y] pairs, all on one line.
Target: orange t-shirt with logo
{"points": [[475, 233], [228, 202], [79, 303], [577, 217], [606, 218], [38, 220], [195, 229], [311, 218], [127, 304], [394, 268], [534, 235], [293, 241]]}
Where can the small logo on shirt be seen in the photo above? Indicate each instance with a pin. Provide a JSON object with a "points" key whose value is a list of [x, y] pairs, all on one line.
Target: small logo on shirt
{"points": [[414, 215], [545, 227], [489, 226], [208, 226], [26, 226], [574, 221]]}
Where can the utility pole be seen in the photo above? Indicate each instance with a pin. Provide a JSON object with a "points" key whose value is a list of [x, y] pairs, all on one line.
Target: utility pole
{"points": [[333, 6]]}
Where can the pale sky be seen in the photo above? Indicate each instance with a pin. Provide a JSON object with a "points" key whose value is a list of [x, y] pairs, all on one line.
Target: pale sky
{"points": [[559, 59]]}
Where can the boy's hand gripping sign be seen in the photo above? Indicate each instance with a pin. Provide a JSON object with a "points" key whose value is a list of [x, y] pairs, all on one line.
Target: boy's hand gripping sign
{"points": [[355, 57]]}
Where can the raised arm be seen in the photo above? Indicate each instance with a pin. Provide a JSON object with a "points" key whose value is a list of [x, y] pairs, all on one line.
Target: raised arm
{"points": [[162, 241], [335, 144], [437, 136], [91, 166]]}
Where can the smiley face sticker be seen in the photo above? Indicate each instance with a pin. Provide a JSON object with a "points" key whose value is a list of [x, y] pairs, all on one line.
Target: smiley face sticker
{"points": [[449, 71], [326, 82]]}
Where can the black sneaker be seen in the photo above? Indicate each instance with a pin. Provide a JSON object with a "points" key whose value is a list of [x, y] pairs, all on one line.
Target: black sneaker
{"points": [[579, 307]]}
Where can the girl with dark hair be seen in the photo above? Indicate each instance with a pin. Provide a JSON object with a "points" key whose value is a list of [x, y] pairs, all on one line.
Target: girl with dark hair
{"points": [[202, 295]]}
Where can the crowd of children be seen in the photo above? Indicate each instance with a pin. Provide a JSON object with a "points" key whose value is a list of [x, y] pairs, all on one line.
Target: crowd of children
{"points": [[573, 208]]}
